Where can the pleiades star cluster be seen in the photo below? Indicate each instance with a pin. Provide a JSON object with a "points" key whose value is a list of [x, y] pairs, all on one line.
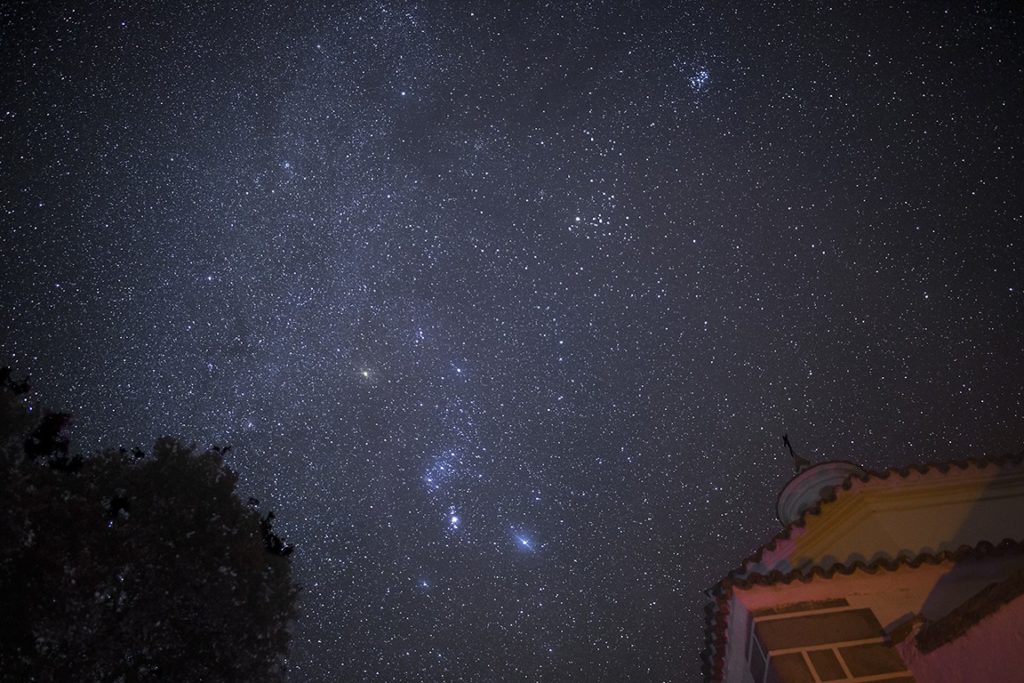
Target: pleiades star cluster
{"points": [[505, 307]]}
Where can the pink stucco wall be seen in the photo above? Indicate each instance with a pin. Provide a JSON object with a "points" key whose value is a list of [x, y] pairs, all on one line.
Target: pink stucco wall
{"points": [[991, 651]]}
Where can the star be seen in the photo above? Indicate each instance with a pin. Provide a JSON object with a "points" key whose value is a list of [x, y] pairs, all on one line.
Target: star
{"points": [[551, 287], [699, 80], [523, 541], [454, 520]]}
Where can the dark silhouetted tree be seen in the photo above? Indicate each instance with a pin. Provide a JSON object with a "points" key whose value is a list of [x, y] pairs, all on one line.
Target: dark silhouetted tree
{"points": [[132, 567]]}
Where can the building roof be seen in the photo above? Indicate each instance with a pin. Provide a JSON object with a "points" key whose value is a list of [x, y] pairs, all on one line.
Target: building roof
{"points": [[717, 612], [935, 634]]}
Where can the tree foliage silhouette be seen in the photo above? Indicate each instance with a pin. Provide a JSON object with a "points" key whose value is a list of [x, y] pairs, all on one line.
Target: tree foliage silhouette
{"points": [[122, 566]]}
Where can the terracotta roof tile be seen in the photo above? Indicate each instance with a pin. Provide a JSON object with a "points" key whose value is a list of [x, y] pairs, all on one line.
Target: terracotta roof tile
{"points": [[847, 484], [935, 634], [716, 612]]}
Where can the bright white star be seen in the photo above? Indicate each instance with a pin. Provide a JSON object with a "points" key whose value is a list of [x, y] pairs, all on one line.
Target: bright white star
{"points": [[699, 80], [524, 542]]}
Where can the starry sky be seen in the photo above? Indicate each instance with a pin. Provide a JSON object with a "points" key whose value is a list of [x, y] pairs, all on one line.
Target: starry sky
{"points": [[505, 307]]}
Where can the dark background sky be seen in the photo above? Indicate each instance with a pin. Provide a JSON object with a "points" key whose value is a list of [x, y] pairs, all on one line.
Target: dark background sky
{"points": [[505, 307]]}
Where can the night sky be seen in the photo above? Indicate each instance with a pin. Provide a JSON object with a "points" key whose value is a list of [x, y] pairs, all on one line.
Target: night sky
{"points": [[505, 307]]}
